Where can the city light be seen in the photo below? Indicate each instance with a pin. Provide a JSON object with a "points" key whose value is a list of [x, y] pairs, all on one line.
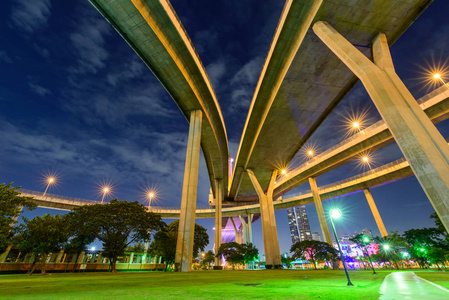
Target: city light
{"points": [[386, 247], [284, 172], [366, 239], [366, 159], [438, 77]]}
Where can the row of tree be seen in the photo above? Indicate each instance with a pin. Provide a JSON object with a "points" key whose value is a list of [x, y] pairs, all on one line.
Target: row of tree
{"points": [[426, 246], [118, 225]]}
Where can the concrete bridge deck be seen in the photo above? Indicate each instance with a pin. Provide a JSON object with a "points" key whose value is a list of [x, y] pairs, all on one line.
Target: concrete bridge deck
{"points": [[302, 81], [385, 174], [155, 33]]}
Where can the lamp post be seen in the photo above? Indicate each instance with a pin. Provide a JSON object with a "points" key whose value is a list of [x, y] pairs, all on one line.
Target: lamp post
{"points": [[386, 248], [365, 241], [150, 198], [335, 214], [50, 181], [438, 76], [356, 125], [105, 191]]}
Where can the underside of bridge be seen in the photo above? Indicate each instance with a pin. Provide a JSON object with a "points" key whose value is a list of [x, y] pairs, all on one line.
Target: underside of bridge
{"points": [[320, 50]]}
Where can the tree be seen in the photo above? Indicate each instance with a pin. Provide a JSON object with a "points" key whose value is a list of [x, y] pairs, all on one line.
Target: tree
{"points": [[421, 241], [250, 252], [287, 261], [10, 207], [164, 242], [232, 253], [137, 248], [209, 258], [315, 251], [117, 224], [41, 236]]}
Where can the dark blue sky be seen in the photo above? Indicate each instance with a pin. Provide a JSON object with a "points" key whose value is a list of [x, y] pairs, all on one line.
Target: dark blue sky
{"points": [[76, 100]]}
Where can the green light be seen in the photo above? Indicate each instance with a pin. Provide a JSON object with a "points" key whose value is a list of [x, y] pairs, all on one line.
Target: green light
{"points": [[405, 254], [422, 249], [335, 213], [386, 247], [365, 239]]}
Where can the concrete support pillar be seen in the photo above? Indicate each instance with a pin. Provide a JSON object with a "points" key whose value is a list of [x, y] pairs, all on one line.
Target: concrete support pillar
{"points": [[269, 230], [100, 257], [372, 205], [131, 258], [218, 218], [5, 254], [184, 245], [422, 145], [80, 259], [319, 209], [238, 236], [59, 256]]}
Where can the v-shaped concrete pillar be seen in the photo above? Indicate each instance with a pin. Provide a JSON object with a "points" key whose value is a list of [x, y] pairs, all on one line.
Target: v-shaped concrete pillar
{"points": [[184, 245], [247, 229], [269, 230], [422, 145]]}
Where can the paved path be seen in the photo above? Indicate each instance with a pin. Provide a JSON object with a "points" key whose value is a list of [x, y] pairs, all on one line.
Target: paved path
{"points": [[407, 285]]}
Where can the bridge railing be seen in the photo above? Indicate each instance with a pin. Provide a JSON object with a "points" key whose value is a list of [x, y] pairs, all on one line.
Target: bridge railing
{"points": [[364, 174], [367, 173], [47, 195]]}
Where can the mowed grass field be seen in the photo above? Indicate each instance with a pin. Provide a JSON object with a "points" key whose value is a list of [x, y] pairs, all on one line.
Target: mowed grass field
{"points": [[438, 277], [266, 284]]}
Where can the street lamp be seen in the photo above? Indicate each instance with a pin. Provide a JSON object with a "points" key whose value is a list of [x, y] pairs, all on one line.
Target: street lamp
{"points": [[386, 248], [366, 241], [150, 198], [356, 126], [105, 191], [335, 214], [49, 181], [438, 77]]}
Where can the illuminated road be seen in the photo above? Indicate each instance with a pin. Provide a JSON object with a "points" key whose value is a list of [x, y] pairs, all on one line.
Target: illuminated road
{"points": [[406, 285]]}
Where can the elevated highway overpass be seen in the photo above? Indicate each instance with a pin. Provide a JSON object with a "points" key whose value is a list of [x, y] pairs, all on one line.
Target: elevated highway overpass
{"points": [[384, 174]]}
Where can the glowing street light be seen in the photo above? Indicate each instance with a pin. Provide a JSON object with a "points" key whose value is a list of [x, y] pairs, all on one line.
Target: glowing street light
{"points": [[335, 214], [386, 247], [438, 77], [366, 241], [50, 180], [356, 125], [284, 172], [150, 198], [105, 191], [310, 153]]}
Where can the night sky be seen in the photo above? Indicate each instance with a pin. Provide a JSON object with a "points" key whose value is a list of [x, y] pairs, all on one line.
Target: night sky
{"points": [[78, 102]]}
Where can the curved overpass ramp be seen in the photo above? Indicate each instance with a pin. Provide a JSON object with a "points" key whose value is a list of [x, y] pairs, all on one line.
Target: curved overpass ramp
{"points": [[155, 33], [384, 174], [302, 81]]}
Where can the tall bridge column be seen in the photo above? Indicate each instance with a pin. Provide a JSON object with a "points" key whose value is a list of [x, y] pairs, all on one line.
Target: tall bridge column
{"points": [[238, 236], [319, 209], [372, 205], [269, 230], [422, 145], [218, 218], [247, 229], [184, 245]]}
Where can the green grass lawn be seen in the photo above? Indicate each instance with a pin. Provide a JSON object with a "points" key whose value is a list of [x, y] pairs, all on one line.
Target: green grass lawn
{"points": [[267, 284], [438, 277]]}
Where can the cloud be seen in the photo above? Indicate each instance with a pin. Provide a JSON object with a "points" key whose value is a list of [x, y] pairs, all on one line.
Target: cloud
{"points": [[4, 57], [42, 51], [30, 16], [41, 91], [243, 84], [88, 42], [215, 71]]}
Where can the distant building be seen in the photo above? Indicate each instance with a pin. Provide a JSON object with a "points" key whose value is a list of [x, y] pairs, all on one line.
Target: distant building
{"points": [[367, 232], [316, 236], [345, 239], [298, 222]]}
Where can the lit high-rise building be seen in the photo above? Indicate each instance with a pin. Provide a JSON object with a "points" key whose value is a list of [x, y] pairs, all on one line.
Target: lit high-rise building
{"points": [[299, 224], [316, 236]]}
